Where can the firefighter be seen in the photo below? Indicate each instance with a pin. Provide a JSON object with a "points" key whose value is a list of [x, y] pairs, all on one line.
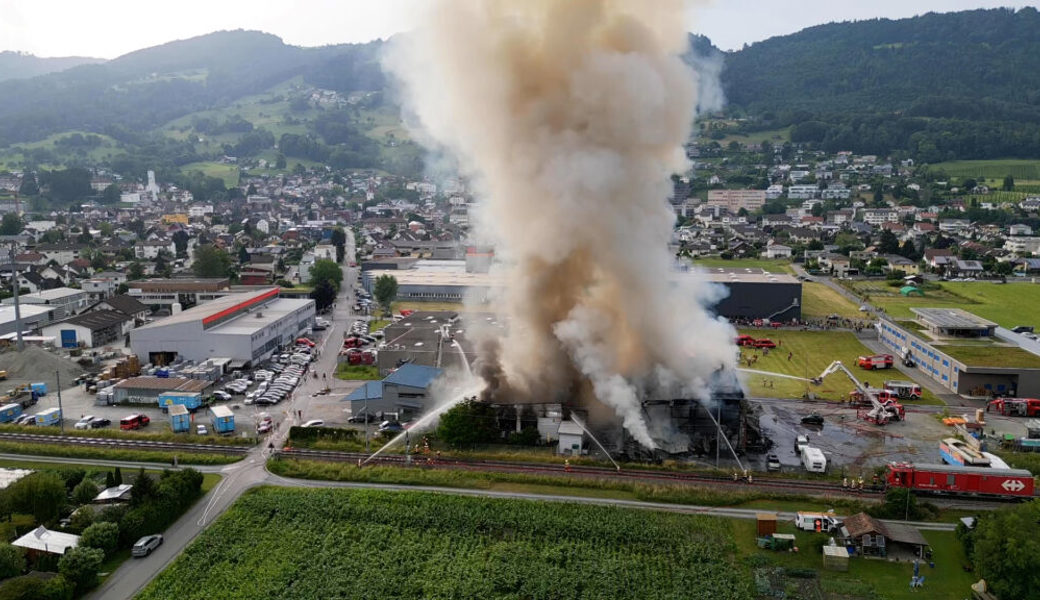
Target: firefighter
{"points": [[845, 483]]}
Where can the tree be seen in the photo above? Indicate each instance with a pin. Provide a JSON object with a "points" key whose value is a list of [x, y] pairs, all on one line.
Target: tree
{"points": [[211, 261], [11, 224], [82, 518], [889, 243], [243, 255], [468, 423], [12, 561], [143, 490], [135, 271], [29, 186], [41, 494], [110, 480], [386, 291], [80, 566], [323, 294], [106, 229], [339, 240], [118, 477], [326, 270], [103, 535], [84, 492], [1009, 183], [180, 242], [279, 163], [111, 195], [997, 535], [31, 587], [1004, 268]]}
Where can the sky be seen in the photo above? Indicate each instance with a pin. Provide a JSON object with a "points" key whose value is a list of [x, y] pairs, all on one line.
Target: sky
{"points": [[110, 28]]}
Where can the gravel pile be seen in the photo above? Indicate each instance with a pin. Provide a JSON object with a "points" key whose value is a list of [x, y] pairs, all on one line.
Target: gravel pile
{"points": [[36, 364]]}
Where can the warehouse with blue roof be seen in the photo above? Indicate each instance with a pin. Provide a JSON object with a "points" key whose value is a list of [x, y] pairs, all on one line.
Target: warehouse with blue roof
{"points": [[404, 392]]}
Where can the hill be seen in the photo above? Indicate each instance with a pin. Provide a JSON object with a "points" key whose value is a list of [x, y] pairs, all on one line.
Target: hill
{"points": [[17, 65], [936, 87]]}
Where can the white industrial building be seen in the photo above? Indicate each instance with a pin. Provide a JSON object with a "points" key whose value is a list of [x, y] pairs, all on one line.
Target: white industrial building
{"points": [[34, 317], [67, 301], [246, 328]]}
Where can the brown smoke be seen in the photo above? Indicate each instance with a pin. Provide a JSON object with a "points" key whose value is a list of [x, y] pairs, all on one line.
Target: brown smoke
{"points": [[569, 116]]}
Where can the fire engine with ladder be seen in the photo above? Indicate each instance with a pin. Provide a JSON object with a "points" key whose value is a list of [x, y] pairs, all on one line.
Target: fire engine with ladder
{"points": [[882, 405]]}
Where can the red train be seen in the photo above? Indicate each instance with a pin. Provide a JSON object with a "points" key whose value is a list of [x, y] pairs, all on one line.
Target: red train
{"points": [[962, 481]]}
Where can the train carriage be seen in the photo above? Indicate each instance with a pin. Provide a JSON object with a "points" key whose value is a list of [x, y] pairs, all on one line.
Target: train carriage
{"points": [[965, 481]]}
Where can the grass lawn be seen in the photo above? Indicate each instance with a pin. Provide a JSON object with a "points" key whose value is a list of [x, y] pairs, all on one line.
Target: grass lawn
{"points": [[376, 324], [820, 301], [1008, 304], [771, 265], [991, 169], [229, 173], [357, 372], [812, 352], [992, 356], [869, 578]]}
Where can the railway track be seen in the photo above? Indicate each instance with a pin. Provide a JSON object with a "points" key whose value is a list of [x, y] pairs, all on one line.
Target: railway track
{"points": [[123, 444], [636, 475]]}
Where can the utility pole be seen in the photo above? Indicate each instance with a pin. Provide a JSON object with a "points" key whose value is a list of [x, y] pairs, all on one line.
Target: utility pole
{"points": [[17, 306], [61, 413], [718, 433], [366, 418]]}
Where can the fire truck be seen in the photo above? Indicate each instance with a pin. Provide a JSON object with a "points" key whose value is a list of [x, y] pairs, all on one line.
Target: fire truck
{"points": [[876, 361], [906, 390], [1015, 407], [882, 404]]}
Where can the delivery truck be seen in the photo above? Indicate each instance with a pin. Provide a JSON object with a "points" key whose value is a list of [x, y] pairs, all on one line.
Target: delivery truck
{"points": [[223, 419], [39, 388], [188, 400], [51, 416], [813, 460], [10, 412], [180, 418]]}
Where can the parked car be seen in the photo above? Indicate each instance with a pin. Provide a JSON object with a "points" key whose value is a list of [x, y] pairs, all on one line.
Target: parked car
{"points": [[222, 395], [314, 423], [362, 418], [772, 462], [264, 427], [84, 423], [144, 546], [201, 430], [100, 422], [25, 419], [390, 427], [764, 343]]}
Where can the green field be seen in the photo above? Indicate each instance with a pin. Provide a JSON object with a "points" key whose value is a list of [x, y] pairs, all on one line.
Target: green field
{"points": [[991, 355], [1007, 304], [820, 301], [775, 136], [771, 265], [229, 173], [867, 578], [315, 544], [994, 170], [812, 352]]}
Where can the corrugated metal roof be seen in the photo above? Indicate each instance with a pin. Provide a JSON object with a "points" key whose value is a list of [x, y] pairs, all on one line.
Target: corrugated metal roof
{"points": [[164, 384], [413, 375], [373, 390]]}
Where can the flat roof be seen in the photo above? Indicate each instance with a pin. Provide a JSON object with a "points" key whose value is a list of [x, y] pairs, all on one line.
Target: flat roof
{"points": [[46, 540], [212, 309], [163, 384], [56, 293], [1004, 357], [744, 275], [27, 310], [952, 318], [250, 323], [441, 277]]}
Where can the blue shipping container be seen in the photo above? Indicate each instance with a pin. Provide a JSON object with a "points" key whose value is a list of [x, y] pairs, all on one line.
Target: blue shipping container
{"points": [[10, 412], [190, 401], [39, 387], [180, 418], [223, 419], [48, 417]]}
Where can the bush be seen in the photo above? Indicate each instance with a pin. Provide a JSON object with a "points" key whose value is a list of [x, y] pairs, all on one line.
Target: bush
{"points": [[84, 492], [28, 587], [12, 561], [72, 476], [80, 566], [103, 536], [40, 494], [81, 519]]}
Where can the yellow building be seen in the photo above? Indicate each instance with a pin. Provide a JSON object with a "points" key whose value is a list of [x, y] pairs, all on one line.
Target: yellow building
{"points": [[181, 218]]}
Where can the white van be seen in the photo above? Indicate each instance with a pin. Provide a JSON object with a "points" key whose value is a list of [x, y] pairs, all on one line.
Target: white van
{"points": [[813, 460], [814, 521]]}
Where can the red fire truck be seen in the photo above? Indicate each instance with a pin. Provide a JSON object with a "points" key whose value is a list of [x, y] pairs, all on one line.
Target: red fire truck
{"points": [[961, 481], [877, 361], [1015, 407]]}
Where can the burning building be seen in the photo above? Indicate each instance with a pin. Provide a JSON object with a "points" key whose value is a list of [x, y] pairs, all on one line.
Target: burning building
{"points": [[569, 118]]}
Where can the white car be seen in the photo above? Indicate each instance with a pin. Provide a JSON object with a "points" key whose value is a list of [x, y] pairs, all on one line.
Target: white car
{"points": [[84, 423], [201, 430], [314, 423], [222, 395]]}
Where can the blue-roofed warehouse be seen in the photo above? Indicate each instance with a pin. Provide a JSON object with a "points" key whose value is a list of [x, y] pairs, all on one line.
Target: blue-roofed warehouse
{"points": [[403, 392]]}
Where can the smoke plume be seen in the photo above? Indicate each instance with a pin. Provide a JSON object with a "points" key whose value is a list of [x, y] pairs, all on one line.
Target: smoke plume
{"points": [[569, 117]]}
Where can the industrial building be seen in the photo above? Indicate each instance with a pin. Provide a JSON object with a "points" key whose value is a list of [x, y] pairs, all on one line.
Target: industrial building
{"points": [[146, 390], [247, 328], [92, 329], [34, 317], [428, 338], [757, 294], [175, 294], [931, 344], [404, 393], [65, 301]]}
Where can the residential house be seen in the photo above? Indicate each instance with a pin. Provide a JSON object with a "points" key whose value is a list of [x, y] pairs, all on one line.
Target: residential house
{"points": [[61, 253], [774, 191], [967, 268], [901, 263], [777, 251], [877, 216], [1031, 204], [734, 200], [31, 259], [839, 217], [839, 265], [872, 537], [150, 249], [802, 192], [32, 281], [1028, 265], [777, 220], [1022, 245], [1020, 229], [836, 192], [954, 226], [937, 258]]}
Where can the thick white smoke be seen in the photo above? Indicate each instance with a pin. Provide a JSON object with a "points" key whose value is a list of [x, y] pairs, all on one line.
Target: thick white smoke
{"points": [[569, 117]]}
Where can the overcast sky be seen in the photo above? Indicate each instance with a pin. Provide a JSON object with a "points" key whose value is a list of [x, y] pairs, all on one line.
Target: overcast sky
{"points": [[109, 28]]}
